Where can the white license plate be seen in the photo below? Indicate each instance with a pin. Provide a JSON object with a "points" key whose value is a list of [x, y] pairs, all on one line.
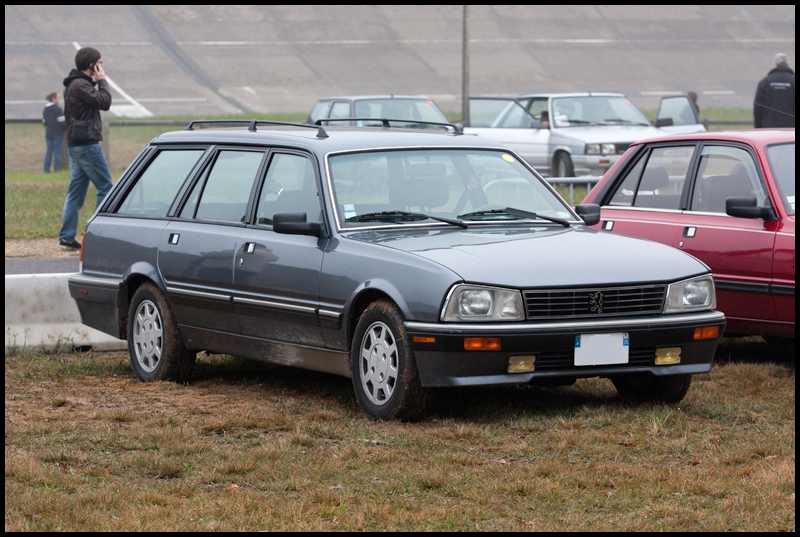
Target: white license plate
{"points": [[601, 349]]}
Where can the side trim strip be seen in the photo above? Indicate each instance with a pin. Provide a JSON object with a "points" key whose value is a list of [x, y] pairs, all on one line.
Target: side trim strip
{"points": [[709, 317], [278, 305], [756, 288], [198, 294]]}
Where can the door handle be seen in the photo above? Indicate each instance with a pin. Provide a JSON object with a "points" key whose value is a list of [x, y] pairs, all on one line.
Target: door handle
{"points": [[249, 247], [689, 231], [173, 238]]}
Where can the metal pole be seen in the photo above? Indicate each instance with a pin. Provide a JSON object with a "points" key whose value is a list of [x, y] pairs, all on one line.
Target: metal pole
{"points": [[465, 68]]}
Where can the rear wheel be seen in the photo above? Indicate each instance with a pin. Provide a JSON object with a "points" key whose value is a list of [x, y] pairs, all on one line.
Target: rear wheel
{"points": [[649, 388], [563, 165], [154, 343], [385, 375]]}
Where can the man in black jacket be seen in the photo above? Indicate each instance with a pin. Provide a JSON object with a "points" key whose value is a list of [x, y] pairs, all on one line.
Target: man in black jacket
{"points": [[82, 103], [774, 102]]}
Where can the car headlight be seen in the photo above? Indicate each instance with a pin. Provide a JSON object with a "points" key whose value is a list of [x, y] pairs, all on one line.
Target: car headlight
{"points": [[691, 295], [608, 149], [478, 303], [592, 149]]}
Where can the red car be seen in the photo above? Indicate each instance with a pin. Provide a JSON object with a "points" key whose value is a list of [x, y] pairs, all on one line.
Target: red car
{"points": [[726, 198]]}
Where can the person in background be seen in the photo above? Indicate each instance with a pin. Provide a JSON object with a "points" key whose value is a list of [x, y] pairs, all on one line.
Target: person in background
{"points": [[82, 104], [693, 97], [54, 127], [773, 105]]}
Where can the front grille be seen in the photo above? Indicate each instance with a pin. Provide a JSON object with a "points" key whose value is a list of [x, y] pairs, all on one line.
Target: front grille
{"points": [[594, 302], [565, 360], [621, 148]]}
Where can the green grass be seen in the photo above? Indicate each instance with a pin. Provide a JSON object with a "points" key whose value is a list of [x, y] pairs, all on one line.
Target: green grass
{"points": [[34, 204], [250, 446]]}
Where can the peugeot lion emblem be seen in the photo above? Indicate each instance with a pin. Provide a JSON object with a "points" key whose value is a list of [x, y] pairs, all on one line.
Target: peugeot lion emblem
{"points": [[596, 302]]}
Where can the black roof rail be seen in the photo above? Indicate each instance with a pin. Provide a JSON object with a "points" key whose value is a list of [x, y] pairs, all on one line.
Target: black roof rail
{"points": [[252, 123], [386, 122]]}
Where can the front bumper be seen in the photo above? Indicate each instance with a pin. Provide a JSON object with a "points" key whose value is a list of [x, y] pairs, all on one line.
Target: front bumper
{"points": [[593, 164], [444, 362]]}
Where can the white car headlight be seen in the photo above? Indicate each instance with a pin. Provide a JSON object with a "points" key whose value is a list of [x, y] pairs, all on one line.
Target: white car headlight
{"points": [[691, 295], [478, 303], [592, 149], [609, 149]]}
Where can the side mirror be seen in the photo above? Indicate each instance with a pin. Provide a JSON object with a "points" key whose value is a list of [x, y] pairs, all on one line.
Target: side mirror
{"points": [[746, 208], [664, 122], [589, 212], [295, 224]]}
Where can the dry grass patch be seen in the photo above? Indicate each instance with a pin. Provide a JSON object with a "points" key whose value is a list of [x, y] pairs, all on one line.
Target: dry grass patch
{"points": [[248, 446]]}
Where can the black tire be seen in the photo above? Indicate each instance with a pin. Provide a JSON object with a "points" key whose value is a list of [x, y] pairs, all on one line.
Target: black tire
{"points": [[649, 388], [154, 343], [562, 165], [385, 375]]}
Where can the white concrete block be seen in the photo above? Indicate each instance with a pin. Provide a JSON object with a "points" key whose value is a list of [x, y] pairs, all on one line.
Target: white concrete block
{"points": [[40, 315]]}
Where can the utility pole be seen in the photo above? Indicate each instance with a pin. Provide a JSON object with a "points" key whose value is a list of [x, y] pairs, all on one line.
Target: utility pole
{"points": [[465, 68]]}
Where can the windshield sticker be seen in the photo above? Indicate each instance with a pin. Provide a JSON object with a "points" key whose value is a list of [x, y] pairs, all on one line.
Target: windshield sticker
{"points": [[349, 210], [508, 158]]}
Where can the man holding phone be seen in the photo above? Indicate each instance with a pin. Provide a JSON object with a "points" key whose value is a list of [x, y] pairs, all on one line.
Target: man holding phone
{"points": [[82, 105]]}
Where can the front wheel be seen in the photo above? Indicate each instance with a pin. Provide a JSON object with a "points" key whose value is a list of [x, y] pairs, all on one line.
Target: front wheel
{"points": [[649, 388], [563, 165], [385, 375], [154, 343]]}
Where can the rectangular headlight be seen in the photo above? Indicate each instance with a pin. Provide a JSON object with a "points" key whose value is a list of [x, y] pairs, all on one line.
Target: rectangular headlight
{"points": [[691, 295], [609, 149], [479, 303], [592, 149]]}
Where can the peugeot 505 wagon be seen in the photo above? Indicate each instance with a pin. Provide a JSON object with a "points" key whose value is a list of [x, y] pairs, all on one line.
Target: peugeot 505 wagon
{"points": [[405, 260]]}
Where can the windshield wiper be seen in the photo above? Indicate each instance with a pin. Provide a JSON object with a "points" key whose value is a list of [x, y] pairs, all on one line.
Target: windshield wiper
{"points": [[626, 122], [394, 216], [518, 212]]}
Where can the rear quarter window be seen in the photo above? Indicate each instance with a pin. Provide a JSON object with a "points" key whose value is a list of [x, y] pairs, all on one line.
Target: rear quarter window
{"points": [[157, 186]]}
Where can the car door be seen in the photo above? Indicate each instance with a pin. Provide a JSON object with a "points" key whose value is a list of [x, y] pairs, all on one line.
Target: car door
{"points": [[195, 255], [646, 199], [738, 250], [509, 123], [678, 115], [276, 276]]}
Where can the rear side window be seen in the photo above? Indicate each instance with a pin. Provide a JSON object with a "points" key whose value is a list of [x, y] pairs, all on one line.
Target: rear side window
{"points": [[290, 187], [657, 180], [224, 191], [155, 189], [726, 172]]}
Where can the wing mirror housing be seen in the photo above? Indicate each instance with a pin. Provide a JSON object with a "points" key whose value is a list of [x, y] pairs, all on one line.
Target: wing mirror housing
{"points": [[664, 122], [295, 224], [589, 212], [746, 208]]}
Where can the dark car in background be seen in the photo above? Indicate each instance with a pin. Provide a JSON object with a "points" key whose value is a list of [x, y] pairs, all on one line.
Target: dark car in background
{"points": [[403, 259], [412, 108], [727, 198]]}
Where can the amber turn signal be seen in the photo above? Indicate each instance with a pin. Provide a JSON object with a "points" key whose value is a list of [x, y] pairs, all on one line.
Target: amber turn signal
{"points": [[706, 332], [420, 339], [482, 343]]}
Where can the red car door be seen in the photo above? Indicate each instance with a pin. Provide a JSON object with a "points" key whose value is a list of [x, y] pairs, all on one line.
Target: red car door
{"points": [[647, 202], [738, 250]]}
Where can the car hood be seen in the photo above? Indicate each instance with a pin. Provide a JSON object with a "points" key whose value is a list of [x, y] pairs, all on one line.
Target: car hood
{"points": [[526, 257], [599, 134]]}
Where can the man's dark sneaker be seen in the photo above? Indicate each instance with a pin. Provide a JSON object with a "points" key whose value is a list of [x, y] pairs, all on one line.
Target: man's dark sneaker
{"points": [[69, 243]]}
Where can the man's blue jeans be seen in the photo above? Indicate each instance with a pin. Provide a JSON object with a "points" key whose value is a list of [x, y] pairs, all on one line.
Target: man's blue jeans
{"points": [[53, 153], [88, 164]]}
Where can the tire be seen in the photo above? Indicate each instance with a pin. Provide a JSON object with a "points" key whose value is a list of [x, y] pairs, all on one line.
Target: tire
{"points": [[385, 375], [562, 164], [154, 343], [649, 388]]}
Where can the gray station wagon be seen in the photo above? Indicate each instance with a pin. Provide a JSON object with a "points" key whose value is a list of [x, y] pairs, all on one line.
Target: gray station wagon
{"points": [[405, 260]]}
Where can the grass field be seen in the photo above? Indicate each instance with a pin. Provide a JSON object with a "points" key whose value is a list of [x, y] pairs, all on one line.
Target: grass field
{"points": [[249, 446]]}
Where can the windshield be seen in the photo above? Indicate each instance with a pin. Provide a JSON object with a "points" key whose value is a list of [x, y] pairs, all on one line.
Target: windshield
{"points": [[419, 109], [471, 186], [596, 110], [781, 163]]}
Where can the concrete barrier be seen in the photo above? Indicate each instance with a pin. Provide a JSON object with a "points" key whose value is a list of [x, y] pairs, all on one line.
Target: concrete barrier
{"points": [[41, 316]]}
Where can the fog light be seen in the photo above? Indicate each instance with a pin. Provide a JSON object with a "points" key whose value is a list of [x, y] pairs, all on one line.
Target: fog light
{"points": [[482, 343], [521, 364], [668, 355], [706, 332]]}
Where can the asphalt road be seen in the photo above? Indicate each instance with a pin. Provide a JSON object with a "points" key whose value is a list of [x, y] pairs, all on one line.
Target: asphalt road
{"points": [[42, 266], [204, 60]]}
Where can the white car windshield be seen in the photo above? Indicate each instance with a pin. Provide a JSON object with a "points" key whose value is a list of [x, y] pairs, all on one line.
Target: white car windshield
{"points": [[596, 110], [419, 109], [424, 186]]}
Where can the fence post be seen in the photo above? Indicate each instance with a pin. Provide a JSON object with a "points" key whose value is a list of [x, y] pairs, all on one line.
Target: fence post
{"points": [[65, 165], [106, 143]]}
